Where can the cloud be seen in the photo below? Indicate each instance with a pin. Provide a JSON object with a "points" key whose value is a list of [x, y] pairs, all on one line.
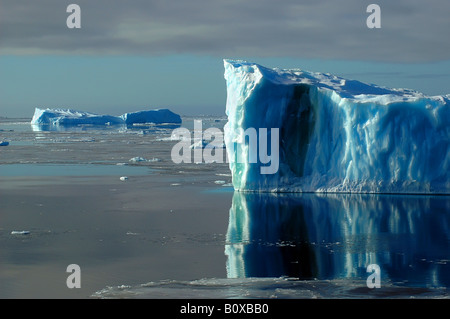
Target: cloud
{"points": [[412, 30]]}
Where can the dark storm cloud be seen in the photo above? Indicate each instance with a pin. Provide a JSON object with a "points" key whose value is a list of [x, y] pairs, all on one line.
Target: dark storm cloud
{"points": [[412, 30]]}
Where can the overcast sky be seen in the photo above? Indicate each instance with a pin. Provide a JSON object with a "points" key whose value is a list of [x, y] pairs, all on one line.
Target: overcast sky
{"points": [[139, 53]]}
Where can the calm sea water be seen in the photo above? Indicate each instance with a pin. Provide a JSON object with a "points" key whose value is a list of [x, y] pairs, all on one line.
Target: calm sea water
{"points": [[207, 241]]}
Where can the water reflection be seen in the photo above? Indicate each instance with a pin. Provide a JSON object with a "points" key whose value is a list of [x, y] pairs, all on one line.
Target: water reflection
{"points": [[309, 236]]}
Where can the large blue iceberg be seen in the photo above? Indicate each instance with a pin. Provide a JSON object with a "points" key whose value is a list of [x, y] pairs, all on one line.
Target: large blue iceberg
{"points": [[334, 134], [67, 117]]}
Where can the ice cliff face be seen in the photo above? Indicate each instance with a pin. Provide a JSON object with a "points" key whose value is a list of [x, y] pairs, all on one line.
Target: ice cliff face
{"points": [[336, 135], [69, 117]]}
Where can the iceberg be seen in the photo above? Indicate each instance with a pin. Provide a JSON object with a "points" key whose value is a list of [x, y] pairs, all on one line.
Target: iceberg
{"points": [[68, 117], [159, 116], [335, 134]]}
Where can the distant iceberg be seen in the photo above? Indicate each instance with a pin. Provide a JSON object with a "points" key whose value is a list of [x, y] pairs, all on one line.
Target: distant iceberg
{"points": [[67, 117], [335, 134]]}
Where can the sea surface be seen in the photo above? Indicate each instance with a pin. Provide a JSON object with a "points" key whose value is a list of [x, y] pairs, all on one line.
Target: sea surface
{"points": [[111, 200]]}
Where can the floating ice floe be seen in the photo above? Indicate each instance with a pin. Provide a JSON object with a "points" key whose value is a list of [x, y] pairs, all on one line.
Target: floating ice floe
{"points": [[129, 233], [20, 232], [143, 159]]}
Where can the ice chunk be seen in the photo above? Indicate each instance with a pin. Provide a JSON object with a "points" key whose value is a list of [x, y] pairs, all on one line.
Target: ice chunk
{"points": [[20, 232], [138, 159], [69, 117], [4, 143], [335, 134], [143, 159], [160, 116]]}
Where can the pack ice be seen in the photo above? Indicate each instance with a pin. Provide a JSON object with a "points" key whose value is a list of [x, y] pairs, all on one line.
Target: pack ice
{"points": [[68, 117], [335, 134]]}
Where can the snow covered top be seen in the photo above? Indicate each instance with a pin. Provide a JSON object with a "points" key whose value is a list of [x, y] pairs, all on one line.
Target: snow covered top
{"points": [[345, 88]]}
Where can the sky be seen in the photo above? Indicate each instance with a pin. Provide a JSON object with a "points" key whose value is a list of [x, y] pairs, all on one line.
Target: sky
{"points": [[144, 54]]}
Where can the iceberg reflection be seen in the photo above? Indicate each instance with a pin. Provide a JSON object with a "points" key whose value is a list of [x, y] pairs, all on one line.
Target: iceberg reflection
{"points": [[310, 236]]}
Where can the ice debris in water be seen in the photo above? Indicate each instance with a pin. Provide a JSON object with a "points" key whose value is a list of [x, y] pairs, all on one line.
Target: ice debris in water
{"points": [[336, 134], [20, 232], [202, 144], [143, 159]]}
